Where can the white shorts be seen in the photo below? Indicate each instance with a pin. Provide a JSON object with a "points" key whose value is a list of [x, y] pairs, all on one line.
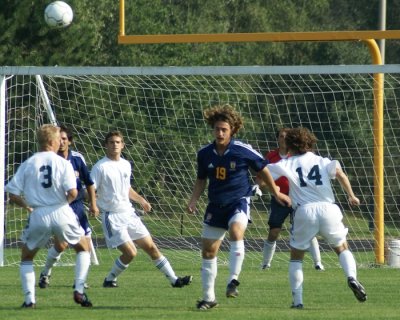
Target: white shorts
{"points": [[122, 227], [219, 233], [317, 218], [45, 222]]}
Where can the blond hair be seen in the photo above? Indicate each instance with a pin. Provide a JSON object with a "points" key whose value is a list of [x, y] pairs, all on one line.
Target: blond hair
{"points": [[46, 134]]}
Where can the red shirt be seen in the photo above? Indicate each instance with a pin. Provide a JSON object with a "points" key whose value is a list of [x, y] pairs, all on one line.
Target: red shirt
{"points": [[282, 182]]}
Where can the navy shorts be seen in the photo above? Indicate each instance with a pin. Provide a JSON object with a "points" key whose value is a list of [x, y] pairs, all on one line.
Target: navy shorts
{"points": [[218, 216], [278, 214], [79, 211]]}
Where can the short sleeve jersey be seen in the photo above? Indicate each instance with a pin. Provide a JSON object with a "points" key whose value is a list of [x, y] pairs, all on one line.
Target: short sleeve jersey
{"points": [[81, 172], [282, 182], [43, 180], [112, 181], [309, 177], [228, 174]]}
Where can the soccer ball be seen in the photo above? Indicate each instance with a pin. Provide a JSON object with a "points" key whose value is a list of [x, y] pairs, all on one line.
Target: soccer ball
{"points": [[58, 14]]}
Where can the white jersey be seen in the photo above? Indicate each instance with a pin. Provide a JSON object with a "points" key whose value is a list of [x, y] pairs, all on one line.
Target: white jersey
{"points": [[309, 177], [112, 181], [43, 180]]}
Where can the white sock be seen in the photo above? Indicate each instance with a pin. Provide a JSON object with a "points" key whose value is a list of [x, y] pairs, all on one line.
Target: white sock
{"points": [[27, 275], [314, 251], [296, 281], [116, 270], [165, 267], [81, 270], [268, 252], [53, 256], [236, 257], [209, 271], [348, 263]]}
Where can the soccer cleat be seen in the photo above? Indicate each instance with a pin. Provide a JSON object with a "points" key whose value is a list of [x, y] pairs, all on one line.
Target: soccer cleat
{"points": [[44, 281], [181, 282], [205, 305], [357, 289], [28, 305], [297, 306], [319, 267], [110, 283], [265, 266], [231, 289], [82, 299]]}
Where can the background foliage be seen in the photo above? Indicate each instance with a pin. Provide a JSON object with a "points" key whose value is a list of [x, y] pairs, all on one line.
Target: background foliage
{"points": [[91, 40]]}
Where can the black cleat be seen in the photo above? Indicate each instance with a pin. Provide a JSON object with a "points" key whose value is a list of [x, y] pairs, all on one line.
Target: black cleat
{"points": [[82, 299], [110, 283], [181, 282], [29, 305], [297, 306], [231, 289], [319, 267], [205, 305], [357, 289], [44, 281]]}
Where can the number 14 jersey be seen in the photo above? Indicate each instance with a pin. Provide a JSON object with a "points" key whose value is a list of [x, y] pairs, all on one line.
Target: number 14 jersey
{"points": [[309, 177]]}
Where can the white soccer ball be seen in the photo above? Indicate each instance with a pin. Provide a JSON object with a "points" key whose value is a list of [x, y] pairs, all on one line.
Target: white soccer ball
{"points": [[58, 14]]}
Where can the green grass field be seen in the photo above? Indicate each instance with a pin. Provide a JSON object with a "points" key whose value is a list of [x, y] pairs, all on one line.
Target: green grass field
{"points": [[144, 293]]}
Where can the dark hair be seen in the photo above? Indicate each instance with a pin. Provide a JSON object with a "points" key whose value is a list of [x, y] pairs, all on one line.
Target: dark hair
{"points": [[67, 131], [300, 140], [114, 133]]}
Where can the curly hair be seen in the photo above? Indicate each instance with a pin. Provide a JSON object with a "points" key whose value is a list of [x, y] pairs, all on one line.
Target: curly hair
{"points": [[224, 113], [300, 140]]}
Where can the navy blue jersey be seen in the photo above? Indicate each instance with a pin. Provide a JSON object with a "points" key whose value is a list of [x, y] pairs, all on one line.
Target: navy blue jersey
{"points": [[81, 172], [228, 174]]}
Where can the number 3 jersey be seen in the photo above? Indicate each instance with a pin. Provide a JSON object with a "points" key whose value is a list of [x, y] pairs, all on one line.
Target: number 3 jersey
{"points": [[309, 177], [43, 180], [228, 174]]}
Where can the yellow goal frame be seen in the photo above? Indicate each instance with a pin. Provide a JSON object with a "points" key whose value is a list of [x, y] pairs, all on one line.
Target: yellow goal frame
{"points": [[368, 37]]}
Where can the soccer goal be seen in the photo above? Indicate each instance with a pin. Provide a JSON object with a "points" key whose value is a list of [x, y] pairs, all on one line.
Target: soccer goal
{"points": [[159, 111]]}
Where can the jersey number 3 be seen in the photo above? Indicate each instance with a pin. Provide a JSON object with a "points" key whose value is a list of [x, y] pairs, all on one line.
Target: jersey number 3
{"points": [[312, 175], [46, 170]]}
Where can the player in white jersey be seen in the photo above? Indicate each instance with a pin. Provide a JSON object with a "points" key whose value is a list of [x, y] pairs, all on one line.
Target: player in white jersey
{"points": [[312, 197], [44, 185], [123, 229]]}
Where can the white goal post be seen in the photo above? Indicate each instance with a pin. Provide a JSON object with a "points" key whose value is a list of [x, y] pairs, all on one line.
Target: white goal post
{"points": [[159, 111]]}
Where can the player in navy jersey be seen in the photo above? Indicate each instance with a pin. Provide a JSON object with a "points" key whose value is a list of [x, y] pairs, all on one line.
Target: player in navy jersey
{"points": [[279, 213], [315, 213], [45, 184], [82, 180], [225, 163]]}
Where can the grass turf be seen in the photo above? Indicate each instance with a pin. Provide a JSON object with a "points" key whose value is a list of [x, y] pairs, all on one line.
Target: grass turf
{"points": [[144, 293]]}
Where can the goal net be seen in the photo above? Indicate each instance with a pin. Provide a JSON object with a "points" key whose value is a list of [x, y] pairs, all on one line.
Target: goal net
{"points": [[159, 111]]}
